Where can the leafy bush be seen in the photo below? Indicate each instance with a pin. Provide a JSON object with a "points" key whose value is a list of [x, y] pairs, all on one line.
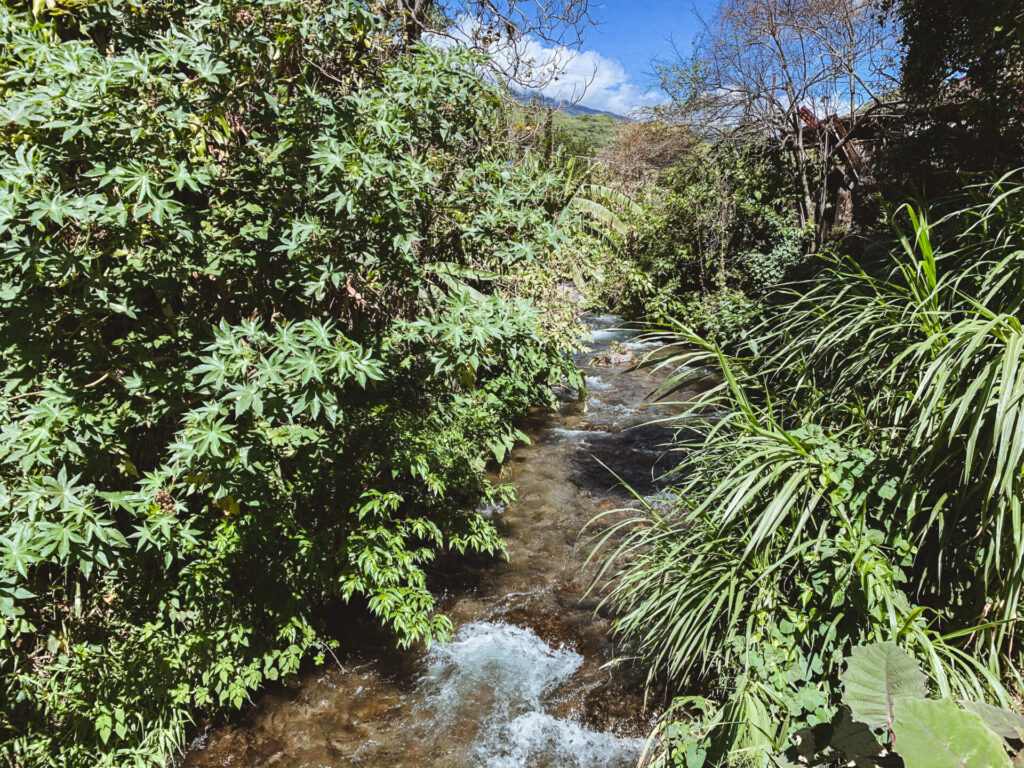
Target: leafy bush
{"points": [[723, 316], [856, 479], [255, 356], [961, 77], [709, 228]]}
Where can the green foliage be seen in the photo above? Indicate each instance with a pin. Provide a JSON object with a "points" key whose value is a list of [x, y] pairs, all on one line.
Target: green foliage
{"points": [[711, 241], [555, 132], [1003, 722], [938, 734], [893, 719], [722, 316], [855, 478], [257, 351], [962, 75], [876, 675], [603, 213], [585, 135]]}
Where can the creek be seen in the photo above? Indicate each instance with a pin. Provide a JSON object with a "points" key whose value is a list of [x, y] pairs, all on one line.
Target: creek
{"points": [[529, 678]]}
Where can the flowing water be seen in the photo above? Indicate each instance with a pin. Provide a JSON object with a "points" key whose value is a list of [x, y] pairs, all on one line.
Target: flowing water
{"points": [[528, 679]]}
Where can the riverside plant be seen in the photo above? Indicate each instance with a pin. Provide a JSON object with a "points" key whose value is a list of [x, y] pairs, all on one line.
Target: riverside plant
{"points": [[255, 354], [854, 478], [888, 717]]}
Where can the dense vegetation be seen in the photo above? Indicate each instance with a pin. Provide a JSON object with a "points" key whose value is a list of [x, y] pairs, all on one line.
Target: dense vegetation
{"points": [[852, 480], [278, 279], [715, 234], [962, 77], [859, 481], [261, 338]]}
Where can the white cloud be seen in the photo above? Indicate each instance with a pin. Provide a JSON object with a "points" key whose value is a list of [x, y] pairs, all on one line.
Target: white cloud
{"points": [[594, 80], [560, 73]]}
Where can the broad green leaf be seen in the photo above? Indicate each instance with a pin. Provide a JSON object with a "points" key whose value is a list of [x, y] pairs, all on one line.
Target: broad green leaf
{"points": [[938, 734], [875, 677], [104, 725], [1007, 724]]}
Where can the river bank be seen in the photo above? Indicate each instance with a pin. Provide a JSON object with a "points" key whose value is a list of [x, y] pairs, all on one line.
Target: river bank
{"points": [[528, 678]]}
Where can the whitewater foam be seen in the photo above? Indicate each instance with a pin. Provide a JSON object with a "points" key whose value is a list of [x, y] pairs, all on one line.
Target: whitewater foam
{"points": [[502, 675], [537, 738], [575, 436]]}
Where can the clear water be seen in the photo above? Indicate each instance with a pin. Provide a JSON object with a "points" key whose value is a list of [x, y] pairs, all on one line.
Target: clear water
{"points": [[515, 728], [526, 681]]}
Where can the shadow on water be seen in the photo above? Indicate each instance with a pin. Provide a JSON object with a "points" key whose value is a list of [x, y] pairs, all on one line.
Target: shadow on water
{"points": [[636, 459], [527, 680]]}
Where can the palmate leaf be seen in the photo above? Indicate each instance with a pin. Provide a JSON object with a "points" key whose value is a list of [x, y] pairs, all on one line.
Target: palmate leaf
{"points": [[938, 734], [876, 677]]}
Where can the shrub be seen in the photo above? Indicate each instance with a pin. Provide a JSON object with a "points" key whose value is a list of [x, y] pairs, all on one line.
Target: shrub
{"points": [[254, 356], [707, 244], [709, 226]]}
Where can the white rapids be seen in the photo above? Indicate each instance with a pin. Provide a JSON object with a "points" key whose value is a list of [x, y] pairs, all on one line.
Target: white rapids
{"points": [[502, 676]]}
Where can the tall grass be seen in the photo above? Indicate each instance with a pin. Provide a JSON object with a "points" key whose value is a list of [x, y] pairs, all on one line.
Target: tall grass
{"points": [[857, 477]]}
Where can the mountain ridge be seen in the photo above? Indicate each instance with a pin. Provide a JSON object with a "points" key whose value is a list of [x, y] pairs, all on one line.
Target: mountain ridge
{"points": [[533, 98]]}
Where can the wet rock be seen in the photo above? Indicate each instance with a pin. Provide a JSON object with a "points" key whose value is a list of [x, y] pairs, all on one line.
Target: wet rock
{"points": [[618, 707], [616, 355], [553, 630]]}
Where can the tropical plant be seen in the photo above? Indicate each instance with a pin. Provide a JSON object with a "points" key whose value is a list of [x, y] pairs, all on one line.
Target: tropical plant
{"points": [[888, 714], [854, 476], [256, 350], [604, 212]]}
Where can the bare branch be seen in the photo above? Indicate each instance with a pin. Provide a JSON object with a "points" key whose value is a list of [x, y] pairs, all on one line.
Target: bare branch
{"points": [[529, 42], [803, 75]]}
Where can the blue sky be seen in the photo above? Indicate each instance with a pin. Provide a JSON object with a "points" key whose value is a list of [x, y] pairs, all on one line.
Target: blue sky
{"points": [[619, 51], [636, 32]]}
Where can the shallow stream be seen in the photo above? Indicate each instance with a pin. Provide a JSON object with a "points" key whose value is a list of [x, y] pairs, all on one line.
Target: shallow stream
{"points": [[527, 680]]}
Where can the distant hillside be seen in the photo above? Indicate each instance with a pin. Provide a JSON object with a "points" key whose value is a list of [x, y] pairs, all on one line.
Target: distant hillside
{"points": [[587, 133], [581, 130], [575, 110]]}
